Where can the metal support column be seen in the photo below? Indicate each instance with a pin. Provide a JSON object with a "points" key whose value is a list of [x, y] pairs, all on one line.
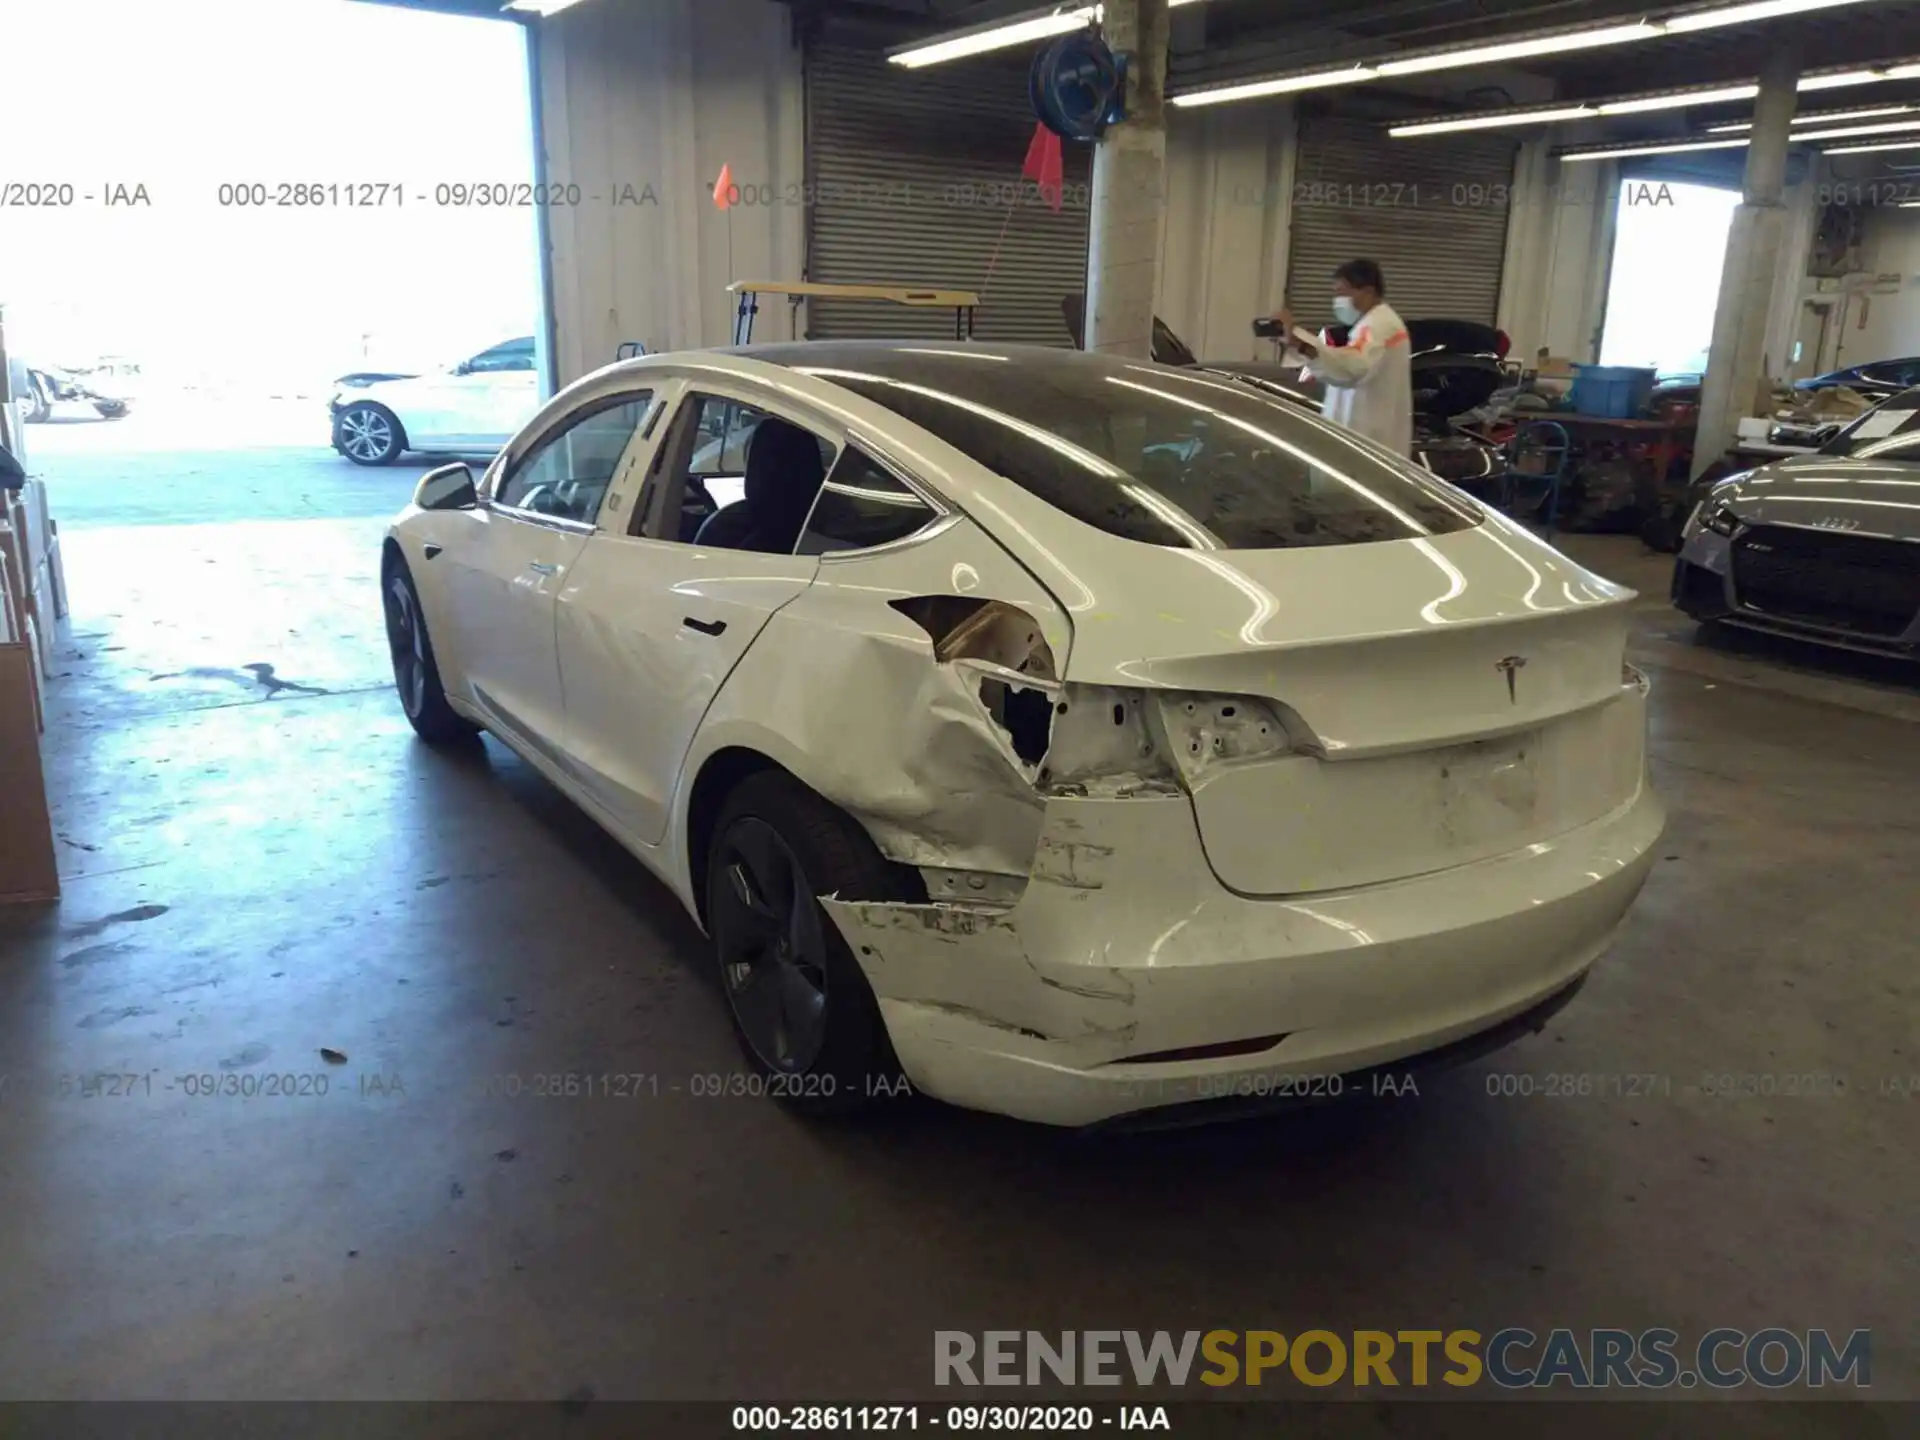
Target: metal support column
{"points": [[1123, 249], [1736, 360]]}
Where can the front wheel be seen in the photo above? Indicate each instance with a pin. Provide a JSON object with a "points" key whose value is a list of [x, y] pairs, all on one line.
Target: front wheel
{"points": [[802, 1009], [369, 434], [110, 409], [416, 674], [39, 407]]}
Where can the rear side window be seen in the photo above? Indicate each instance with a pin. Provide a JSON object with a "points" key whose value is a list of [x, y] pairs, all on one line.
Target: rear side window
{"points": [[860, 506], [1158, 455]]}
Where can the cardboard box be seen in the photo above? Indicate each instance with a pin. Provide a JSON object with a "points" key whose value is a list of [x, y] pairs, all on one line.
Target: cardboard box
{"points": [[39, 524], [57, 573], [27, 867], [30, 638], [12, 622], [40, 612], [12, 549]]}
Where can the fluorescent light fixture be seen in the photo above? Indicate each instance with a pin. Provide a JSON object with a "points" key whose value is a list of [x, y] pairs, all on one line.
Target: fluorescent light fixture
{"points": [[1843, 77], [1672, 149], [1746, 14], [539, 7], [1519, 49], [1633, 105], [1891, 127], [1904, 72], [1680, 100], [1348, 75], [1488, 122], [1863, 149], [1829, 117], [999, 37]]}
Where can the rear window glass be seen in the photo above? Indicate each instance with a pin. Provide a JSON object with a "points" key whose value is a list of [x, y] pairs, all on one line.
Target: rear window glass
{"points": [[1153, 454], [861, 506]]}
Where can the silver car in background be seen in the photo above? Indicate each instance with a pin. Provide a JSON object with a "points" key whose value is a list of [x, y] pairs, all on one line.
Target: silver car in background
{"points": [[1824, 547]]}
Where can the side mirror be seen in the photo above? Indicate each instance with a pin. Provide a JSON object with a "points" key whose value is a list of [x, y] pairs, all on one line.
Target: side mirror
{"points": [[448, 488]]}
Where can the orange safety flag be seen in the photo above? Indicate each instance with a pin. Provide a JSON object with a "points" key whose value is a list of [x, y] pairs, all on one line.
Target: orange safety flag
{"points": [[723, 188], [1043, 165]]}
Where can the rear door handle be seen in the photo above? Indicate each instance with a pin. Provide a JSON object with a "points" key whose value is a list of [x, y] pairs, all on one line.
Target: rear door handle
{"points": [[541, 567], [705, 627], [431, 549]]}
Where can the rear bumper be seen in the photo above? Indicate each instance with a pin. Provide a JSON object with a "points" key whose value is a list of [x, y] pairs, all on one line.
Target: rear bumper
{"points": [[1125, 947]]}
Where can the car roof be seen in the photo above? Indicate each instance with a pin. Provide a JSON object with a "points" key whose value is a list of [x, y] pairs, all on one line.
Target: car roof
{"points": [[849, 354]]}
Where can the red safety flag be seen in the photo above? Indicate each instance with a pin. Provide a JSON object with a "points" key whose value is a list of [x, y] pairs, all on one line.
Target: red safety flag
{"points": [[723, 188], [1043, 165]]}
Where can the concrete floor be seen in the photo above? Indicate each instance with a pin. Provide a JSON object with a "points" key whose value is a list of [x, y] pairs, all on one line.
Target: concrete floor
{"points": [[254, 873]]}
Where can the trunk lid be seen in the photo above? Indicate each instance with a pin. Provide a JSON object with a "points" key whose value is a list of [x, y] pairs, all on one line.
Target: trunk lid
{"points": [[1446, 699]]}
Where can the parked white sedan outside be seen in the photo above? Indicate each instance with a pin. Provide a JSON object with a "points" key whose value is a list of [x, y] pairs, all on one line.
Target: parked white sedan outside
{"points": [[1080, 737], [473, 407]]}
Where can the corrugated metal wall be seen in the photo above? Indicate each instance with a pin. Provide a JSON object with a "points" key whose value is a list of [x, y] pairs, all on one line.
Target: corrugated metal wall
{"points": [[914, 179], [641, 104], [1431, 212]]}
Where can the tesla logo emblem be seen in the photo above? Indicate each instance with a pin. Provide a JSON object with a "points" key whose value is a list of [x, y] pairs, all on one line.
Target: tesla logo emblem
{"points": [[1836, 522], [1511, 667]]}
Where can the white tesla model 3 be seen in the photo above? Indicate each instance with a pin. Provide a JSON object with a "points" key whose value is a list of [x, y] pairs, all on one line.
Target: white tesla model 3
{"points": [[1079, 737]]}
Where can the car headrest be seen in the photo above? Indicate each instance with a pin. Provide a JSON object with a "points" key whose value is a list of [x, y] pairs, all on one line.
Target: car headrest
{"points": [[784, 471]]}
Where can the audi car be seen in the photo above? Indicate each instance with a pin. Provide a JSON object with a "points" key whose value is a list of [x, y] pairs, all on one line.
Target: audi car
{"points": [[1822, 547], [1072, 737]]}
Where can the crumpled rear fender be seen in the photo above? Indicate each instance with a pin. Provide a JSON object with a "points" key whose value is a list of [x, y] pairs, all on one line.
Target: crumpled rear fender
{"points": [[844, 690]]}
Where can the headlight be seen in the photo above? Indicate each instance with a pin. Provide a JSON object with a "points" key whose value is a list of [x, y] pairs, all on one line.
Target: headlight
{"points": [[1720, 519], [1713, 513], [1710, 514]]}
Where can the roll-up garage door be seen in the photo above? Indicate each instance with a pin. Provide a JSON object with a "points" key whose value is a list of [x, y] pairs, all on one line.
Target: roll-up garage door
{"points": [[915, 180], [1432, 213]]}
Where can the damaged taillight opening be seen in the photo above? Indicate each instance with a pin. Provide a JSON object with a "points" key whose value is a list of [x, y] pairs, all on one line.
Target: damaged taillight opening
{"points": [[1076, 739]]}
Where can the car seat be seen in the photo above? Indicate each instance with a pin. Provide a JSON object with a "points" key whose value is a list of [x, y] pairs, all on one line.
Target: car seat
{"points": [[784, 472]]}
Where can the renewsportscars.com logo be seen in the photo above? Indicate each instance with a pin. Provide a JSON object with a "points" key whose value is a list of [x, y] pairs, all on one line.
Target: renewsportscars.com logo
{"points": [[1513, 1359]]}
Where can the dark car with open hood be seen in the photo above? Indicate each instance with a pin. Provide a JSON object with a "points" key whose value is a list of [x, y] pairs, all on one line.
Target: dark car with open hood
{"points": [[1825, 547]]}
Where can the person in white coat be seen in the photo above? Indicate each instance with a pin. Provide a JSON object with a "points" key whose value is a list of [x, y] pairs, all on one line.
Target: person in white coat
{"points": [[1369, 380]]}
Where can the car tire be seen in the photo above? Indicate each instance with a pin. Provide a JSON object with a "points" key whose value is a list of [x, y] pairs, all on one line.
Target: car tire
{"points": [[111, 409], [39, 407], [416, 673], [802, 1009], [369, 434]]}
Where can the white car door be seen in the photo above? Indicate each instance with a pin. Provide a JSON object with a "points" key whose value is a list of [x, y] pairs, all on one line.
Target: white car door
{"points": [[651, 623], [500, 393], [481, 403], [508, 401], [503, 579]]}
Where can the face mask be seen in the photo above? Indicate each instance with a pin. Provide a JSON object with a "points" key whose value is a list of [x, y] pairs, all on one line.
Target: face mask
{"points": [[1345, 311]]}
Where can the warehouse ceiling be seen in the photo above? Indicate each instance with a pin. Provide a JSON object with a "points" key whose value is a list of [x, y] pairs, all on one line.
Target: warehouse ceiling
{"points": [[1234, 40]]}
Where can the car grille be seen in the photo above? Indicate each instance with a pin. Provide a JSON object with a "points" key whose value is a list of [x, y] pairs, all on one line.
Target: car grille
{"points": [[1858, 583]]}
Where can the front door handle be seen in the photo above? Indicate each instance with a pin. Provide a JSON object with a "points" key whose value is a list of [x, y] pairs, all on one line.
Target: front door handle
{"points": [[430, 549], [705, 627], [541, 567]]}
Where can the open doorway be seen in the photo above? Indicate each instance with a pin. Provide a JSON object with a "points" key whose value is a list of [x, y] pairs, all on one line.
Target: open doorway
{"points": [[262, 212], [1670, 245]]}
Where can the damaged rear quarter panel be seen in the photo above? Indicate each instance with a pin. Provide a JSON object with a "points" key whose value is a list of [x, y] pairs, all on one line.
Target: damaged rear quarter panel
{"points": [[845, 691]]}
